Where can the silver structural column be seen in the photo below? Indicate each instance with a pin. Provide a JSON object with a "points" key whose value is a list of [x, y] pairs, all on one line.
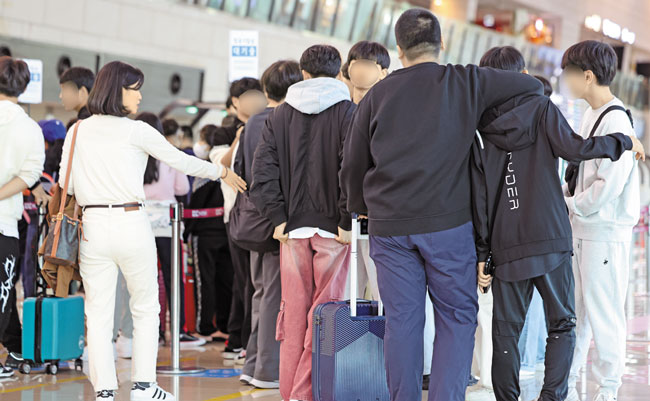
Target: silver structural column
{"points": [[176, 211]]}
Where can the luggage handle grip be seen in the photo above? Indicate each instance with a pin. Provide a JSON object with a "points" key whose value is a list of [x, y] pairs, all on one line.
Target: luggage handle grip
{"points": [[354, 276]]}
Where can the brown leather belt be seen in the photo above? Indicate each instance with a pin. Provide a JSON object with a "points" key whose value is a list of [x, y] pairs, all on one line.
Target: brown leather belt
{"points": [[128, 207]]}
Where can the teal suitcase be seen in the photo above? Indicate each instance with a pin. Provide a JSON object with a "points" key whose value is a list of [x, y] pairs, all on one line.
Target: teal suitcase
{"points": [[53, 331]]}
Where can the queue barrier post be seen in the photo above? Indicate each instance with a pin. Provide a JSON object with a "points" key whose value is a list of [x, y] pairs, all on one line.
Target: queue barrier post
{"points": [[176, 213]]}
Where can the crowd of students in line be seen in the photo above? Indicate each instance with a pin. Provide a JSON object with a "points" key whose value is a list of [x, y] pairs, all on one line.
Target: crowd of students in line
{"points": [[453, 167]]}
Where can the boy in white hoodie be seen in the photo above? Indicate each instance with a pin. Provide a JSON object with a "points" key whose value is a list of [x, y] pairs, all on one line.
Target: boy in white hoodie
{"points": [[22, 154], [603, 200]]}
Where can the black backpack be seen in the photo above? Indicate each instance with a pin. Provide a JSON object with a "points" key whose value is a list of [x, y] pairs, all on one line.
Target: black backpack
{"points": [[571, 174]]}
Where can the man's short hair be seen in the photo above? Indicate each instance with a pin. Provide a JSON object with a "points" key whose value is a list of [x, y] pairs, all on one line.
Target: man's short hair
{"points": [[170, 127], [366, 50], [321, 61], [277, 79], [504, 58], [80, 76], [243, 85], [594, 56], [14, 76], [417, 33]]}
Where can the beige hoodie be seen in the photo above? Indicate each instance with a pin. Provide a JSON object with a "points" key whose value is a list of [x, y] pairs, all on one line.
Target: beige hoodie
{"points": [[22, 154]]}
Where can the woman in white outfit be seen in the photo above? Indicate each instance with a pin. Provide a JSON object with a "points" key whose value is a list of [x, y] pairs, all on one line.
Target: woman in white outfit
{"points": [[108, 167]]}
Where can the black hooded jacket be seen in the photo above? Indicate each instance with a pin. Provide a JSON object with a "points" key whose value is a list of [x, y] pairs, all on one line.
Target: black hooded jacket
{"points": [[518, 205]]}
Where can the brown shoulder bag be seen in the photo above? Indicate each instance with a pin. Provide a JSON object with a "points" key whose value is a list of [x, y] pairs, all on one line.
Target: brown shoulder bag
{"points": [[64, 231]]}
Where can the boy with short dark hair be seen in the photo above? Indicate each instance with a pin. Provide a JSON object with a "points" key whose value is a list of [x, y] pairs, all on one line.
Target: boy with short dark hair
{"points": [[76, 84], [296, 186], [367, 64], [521, 221], [603, 201], [22, 154]]}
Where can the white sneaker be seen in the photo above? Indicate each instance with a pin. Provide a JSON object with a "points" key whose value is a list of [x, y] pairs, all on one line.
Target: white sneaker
{"points": [[604, 396], [245, 379], [105, 395], [265, 384], [572, 395], [153, 392], [5, 371], [124, 347]]}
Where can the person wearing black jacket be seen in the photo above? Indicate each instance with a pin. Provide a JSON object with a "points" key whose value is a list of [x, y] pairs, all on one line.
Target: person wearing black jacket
{"points": [[213, 267], [521, 219], [263, 351], [406, 165], [296, 186]]}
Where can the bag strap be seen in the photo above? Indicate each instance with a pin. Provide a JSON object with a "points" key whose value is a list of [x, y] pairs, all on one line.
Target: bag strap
{"points": [[64, 197], [607, 110]]}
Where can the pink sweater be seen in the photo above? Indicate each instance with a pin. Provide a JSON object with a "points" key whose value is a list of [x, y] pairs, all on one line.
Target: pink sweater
{"points": [[171, 183]]}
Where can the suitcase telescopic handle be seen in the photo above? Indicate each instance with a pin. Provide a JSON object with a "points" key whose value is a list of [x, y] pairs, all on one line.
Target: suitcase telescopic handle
{"points": [[354, 276]]}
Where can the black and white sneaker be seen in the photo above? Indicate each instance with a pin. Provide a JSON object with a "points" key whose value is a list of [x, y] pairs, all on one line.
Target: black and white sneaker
{"points": [[231, 353], [153, 392], [5, 372], [105, 395], [14, 360], [189, 341]]}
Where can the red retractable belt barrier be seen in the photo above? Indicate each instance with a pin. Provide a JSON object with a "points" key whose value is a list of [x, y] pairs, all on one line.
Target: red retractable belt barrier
{"points": [[202, 213]]}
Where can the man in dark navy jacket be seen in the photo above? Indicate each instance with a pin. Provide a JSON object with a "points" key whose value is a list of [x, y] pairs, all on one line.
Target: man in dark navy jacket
{"points": [[406, 165]]}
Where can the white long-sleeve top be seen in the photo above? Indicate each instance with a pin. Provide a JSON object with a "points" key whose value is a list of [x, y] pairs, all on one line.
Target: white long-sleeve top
{"points": [[22, 153], [110, 158], [606, 205]]}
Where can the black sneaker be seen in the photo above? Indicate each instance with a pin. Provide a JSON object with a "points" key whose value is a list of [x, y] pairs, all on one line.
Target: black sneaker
{"points": [[425, 382], [189, 341], [231, 353], [105, 395], [14, 360], [5, 372]]}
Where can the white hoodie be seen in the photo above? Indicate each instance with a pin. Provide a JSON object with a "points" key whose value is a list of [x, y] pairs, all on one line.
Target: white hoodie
{"points": [[22, 154], [606, 205]]}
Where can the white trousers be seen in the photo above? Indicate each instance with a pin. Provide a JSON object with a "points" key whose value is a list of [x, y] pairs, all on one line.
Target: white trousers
{"points": [[366, 273], [115, 238], [482, 362], [601, 271]]}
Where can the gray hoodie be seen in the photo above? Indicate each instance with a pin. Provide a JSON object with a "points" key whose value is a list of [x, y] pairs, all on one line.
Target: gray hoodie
{"points": [[312, 96]]}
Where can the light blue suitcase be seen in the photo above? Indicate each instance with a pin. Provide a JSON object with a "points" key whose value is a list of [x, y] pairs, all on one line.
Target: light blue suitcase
{"points": [[53, 331]]}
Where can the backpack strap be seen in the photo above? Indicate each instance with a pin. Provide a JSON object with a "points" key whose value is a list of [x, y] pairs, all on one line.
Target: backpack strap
{"points": [[607, 110]]}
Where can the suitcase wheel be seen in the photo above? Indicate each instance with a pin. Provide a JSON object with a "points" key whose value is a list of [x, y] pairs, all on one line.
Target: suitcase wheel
{"points": [[78, 365], [25, 368], [52, 369]]}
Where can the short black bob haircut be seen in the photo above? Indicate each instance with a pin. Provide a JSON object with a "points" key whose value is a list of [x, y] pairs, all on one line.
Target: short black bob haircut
{"points": [[277, 79], [14, 76], [366, 50], [106, 95], [321, 61], [417, 33], [214, 136], [594, 56], [548, 88], [82, 77], [504, 58], [243, 85]]}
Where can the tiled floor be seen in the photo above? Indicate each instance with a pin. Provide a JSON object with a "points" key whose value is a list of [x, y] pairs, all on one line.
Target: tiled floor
{"points": [[71, 385]]}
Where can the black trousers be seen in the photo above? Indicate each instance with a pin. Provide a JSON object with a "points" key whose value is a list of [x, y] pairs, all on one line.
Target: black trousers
{"points": [[239, 324], [164, 249], [511, 301], [10, 328], [213, 282]]}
